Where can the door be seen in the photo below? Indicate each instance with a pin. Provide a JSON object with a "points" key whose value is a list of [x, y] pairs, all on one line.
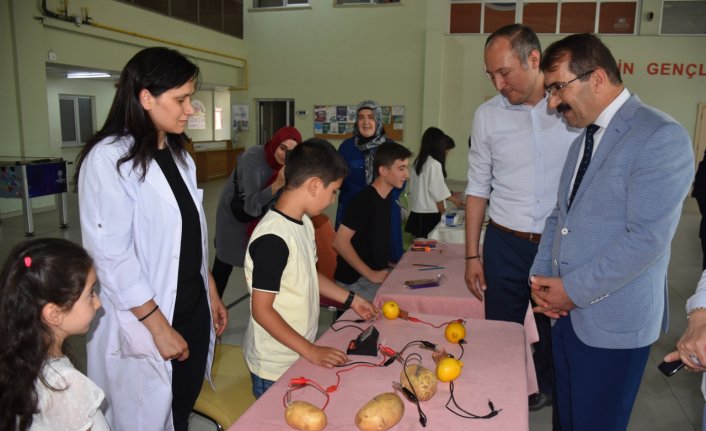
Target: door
{"points": [[273, 115]]}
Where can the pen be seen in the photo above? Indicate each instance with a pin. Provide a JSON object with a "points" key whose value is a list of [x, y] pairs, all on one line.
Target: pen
{"points": [[425, 264], [431, 268]]}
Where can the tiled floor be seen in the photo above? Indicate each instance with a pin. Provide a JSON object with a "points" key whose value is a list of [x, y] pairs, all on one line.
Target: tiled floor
{"points": [[662, 404]]}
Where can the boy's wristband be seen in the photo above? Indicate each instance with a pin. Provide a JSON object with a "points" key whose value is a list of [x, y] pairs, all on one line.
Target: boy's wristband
{"points": [[473, 257], [349, 301]]}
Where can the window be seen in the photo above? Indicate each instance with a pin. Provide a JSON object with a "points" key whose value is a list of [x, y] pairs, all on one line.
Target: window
{"points": [[344, 2], [683, 17], [76, 118], [225, 16], [545, 16], [260, 4]]}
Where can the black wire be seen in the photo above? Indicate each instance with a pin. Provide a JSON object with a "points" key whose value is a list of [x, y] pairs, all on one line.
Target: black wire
{"points": [[461, 343], [468, 415], [422, 416], [347, 326], [355, 363], [422, 342]]}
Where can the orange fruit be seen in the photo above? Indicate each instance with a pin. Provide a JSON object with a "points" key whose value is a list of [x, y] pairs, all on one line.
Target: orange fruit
{"points": [[448, 369], [391, 310], [454, 332]]}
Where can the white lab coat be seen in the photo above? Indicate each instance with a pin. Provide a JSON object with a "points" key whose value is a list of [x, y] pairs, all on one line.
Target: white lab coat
{"points": [[132, 229]]}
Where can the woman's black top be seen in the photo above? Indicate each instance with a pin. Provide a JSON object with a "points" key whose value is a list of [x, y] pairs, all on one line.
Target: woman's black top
{"points": [[190, 283]]}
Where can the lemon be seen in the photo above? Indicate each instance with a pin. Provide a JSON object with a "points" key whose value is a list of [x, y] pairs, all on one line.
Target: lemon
{"points": [[448, 369], [391, 310], [454, 332]]}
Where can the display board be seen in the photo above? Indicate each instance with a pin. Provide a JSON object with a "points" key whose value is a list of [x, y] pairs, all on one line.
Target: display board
{"points": [[337, 121]]}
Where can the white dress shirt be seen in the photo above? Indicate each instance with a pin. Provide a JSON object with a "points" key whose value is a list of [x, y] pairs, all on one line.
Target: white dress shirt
{"points": [[516, 157]]}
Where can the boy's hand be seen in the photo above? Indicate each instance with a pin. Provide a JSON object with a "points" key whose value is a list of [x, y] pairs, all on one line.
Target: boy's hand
{"points": [[325, 356], [365, 309]]}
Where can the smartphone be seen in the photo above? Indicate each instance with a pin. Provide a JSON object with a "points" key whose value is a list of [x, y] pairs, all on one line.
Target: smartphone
{"points": [[422, 283], [670, 368]]}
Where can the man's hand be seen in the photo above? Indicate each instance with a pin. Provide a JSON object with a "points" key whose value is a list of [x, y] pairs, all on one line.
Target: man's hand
{"points": [[550, 296], [691, 347], [475, 278]]}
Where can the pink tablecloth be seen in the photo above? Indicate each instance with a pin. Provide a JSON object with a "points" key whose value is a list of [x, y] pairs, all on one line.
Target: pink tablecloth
{"points": [[494, 368], [451, 298]]}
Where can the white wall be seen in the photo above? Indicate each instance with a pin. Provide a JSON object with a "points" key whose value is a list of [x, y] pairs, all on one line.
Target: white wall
{"points": [[394, 54], [337, 56], [465, 86]]}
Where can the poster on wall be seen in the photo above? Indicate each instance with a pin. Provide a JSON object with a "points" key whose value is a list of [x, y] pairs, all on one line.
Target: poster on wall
{"points": [[241, 117], [337, 121], [198, 120]]}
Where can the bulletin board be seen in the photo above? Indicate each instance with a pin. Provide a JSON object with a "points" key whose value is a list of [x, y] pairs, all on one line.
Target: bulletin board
{"points": [[337, 121]]}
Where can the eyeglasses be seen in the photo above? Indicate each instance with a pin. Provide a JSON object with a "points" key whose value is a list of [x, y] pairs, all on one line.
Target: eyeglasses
{"points": [[555, 89]]}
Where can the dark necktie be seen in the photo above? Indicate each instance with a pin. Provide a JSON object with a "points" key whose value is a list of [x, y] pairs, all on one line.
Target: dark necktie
{"points": [[585, 160]]}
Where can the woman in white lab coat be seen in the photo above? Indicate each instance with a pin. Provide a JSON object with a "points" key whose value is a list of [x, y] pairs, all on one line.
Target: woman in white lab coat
{"points": [[142, 221]]}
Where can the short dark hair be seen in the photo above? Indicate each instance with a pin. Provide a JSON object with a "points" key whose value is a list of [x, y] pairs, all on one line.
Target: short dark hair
{"points": [[523, 40], [388, 153], [314, 158], [586, 52]]}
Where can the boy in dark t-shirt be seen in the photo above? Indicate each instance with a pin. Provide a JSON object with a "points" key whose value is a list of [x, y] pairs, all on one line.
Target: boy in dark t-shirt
{"points": [[362, 239]]}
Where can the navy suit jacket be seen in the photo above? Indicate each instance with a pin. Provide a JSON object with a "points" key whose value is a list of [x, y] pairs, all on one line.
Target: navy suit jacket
{"points": [[612, 247]]}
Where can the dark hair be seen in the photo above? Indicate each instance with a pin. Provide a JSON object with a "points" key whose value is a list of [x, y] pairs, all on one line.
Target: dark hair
{"points": [[314, 158], [585, 53], [434, 144], [37, 272], [157, 70], [522, 40], [388, 153]]}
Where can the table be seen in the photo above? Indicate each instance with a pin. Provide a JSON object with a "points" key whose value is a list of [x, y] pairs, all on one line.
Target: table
{"points": [[212, 163], [494, 368], [454, 234], [32, 177], [452, 297]]}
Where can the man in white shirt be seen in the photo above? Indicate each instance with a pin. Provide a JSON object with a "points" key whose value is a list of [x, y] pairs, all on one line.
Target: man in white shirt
{"points": [[518, 147]]}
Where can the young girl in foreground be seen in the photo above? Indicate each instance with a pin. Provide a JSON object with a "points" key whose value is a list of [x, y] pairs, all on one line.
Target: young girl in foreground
{"points": [[46, 295]]}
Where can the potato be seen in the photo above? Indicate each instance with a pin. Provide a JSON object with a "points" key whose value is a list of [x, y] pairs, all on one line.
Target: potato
{"points": [[424, 381], [303, 416], [381, 413]]}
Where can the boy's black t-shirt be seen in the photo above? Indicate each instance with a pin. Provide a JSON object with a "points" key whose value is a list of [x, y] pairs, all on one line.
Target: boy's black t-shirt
{"points": [[269, 254], [368, 214]]}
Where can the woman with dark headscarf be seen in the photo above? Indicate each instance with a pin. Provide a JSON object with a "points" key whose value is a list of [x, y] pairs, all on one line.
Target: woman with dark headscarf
{"points": [[259, 177], [359, 151]]}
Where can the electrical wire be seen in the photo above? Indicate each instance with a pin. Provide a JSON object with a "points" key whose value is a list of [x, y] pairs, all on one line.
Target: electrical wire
{"points": [[464, 413], [299, 383], [418, 357]]}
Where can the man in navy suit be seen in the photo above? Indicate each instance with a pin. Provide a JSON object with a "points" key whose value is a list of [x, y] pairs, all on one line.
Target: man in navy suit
{"points": [[601, 267]]}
